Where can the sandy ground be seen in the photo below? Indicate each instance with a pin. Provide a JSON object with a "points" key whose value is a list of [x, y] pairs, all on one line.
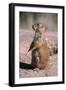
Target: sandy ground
{"points": [[25, 39]]}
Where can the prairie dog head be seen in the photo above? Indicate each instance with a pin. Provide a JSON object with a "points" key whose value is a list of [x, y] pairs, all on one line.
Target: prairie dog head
{"points": [[38, 27]]}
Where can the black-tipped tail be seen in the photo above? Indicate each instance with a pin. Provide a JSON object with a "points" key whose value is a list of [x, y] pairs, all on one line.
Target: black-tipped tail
{"points": [[26, 66]]}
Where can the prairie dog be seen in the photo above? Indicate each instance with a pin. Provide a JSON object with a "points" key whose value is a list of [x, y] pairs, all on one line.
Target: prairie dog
{"points": [[39, 47]]}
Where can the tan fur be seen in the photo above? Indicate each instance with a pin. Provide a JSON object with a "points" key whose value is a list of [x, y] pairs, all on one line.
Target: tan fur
{"points": [[40, 55]]}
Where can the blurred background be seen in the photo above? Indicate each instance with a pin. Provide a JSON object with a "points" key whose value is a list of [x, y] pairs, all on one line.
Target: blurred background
{"points": [[27, 19]]}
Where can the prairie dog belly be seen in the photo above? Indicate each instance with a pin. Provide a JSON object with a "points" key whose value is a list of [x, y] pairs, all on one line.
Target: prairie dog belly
{"points": [[44, 57], [40, 57]]}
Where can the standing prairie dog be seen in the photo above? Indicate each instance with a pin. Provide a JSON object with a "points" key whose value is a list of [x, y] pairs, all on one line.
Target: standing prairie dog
{"points": [[40, 51]]}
